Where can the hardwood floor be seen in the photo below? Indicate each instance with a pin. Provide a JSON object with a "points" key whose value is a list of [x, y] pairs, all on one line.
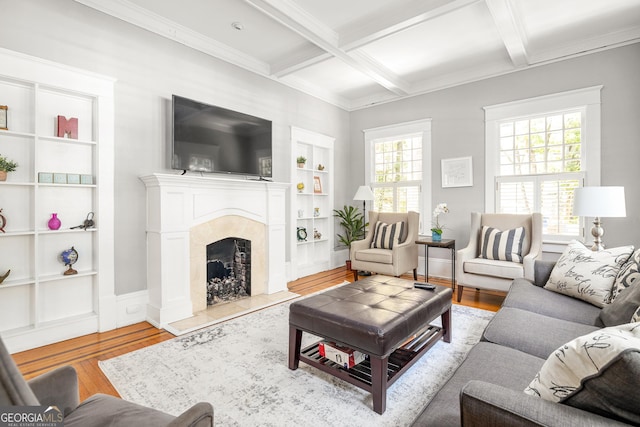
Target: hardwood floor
{"points": [[84, 352]]}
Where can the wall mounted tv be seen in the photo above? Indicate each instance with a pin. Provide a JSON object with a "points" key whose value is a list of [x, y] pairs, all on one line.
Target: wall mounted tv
{"points": [[207, 138]]}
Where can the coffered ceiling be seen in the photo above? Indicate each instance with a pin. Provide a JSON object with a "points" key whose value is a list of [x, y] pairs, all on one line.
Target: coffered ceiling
{"points": [[355, 53]]}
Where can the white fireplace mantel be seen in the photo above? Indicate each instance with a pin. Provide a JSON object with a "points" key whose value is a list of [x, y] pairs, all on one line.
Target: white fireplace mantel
{"points": [[176, 204]]}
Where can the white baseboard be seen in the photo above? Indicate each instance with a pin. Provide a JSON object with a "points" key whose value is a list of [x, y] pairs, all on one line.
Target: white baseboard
{"points": [[131, 308], [438, 267]]}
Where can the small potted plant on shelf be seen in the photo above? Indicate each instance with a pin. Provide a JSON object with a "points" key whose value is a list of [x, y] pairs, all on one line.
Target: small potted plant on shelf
{"points": [[353, 223], [301, 160], [6, 165]]}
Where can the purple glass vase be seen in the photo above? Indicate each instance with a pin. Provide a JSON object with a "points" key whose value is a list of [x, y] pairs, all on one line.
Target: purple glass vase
{"points": [[54, 223]]}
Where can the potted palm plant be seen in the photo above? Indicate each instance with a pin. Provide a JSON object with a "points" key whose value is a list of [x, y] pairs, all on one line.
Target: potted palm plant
{"points": [[6, 165], [353, 223]]}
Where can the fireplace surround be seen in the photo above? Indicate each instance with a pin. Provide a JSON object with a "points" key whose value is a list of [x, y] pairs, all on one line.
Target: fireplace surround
{"points": [[185, 214]]}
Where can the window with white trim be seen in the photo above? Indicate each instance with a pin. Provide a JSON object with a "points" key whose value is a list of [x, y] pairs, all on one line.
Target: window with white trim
{"points": [[396, 159], [539, 159]]}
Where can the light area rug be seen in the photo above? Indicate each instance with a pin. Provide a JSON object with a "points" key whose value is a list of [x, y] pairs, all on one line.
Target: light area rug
{"points": [[240, 366]]}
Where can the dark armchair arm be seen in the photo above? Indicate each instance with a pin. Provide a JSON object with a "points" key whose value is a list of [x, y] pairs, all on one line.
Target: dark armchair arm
{"points": [[57, 388], [199, 415]]}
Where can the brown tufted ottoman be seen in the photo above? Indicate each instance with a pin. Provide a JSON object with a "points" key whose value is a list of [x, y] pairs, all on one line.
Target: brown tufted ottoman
{"points": [[384, 317]]}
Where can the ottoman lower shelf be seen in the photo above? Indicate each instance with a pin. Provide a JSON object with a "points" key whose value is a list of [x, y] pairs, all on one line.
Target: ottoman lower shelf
{"points": [[361, 374]]}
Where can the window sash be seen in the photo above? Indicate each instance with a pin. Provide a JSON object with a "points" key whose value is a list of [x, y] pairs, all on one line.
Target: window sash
{"points": [[417, 185]]}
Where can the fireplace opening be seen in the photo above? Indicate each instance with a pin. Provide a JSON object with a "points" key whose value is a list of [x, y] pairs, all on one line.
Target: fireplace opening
{"points": [[228, 270]]}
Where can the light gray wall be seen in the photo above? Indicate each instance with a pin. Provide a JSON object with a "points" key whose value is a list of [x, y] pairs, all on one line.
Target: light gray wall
{"points": [[149, 69], [458, 130]]}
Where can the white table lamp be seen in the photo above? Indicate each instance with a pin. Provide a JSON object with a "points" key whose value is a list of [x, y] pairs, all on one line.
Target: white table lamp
{"points": [[599, 202]]}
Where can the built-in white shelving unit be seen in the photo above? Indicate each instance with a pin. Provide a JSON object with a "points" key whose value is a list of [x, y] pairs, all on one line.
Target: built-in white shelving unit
{"points": [[38, 303], [312, 205]]}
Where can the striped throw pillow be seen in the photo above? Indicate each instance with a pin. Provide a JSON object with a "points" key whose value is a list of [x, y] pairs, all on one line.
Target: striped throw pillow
{"points": [[385, 235], [502, 245]]}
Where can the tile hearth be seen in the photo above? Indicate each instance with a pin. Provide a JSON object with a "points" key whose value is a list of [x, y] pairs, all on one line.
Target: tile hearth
{"points": [[225, 311]]}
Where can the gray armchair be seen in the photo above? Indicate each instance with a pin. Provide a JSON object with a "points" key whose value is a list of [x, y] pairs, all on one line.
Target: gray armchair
{"points": [[396, 261], [59, 388], [481, 273]]}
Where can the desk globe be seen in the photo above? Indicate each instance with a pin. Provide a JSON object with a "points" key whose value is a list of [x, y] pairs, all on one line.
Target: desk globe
{"points": [[69, 257]]}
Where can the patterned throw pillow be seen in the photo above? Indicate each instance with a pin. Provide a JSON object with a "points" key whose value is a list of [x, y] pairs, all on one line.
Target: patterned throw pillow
{"points": [[598, 372], [587, 275], [386, 236], [629, 274], [501, 245]]}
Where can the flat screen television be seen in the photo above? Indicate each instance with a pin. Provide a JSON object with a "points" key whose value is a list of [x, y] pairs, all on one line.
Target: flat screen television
{"points": [[207, 138]]}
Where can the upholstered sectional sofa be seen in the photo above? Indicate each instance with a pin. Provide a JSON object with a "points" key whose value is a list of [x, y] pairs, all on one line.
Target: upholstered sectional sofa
{"points": [[535, 324]]}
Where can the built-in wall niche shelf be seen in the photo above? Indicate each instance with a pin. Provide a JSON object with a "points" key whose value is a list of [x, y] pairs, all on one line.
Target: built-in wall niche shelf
{"points": [[311, 255], [38, 303]]}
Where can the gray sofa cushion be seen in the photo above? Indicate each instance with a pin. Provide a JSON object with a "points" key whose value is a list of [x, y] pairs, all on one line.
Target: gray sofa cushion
{"points": [[532, 333], [485, 362], [622, 308], [525, 295]]}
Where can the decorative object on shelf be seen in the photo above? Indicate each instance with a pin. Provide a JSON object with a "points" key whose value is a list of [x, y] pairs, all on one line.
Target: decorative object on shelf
{"points": [[316, 212], [300, 213], [300, 187], [437, 228], [301, 160], [67, 128], [73, 178], [86, 179], [59, 178], [3, 221], [45, 177], [68, 258], [4, 122], [353, 223], [317, 185], [6, 166], [88, 222], [302, 234], [54, 223], [316, 234], [599, 202], [320, 167], [4, 276]]}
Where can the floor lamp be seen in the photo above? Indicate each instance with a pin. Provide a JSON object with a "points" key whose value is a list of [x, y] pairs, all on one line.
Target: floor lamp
{"points": [[599, 202], [364, 193]]}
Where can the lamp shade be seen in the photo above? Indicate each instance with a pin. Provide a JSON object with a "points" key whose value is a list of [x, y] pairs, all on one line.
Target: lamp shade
{"points": [[603, 202], [364, 193]]}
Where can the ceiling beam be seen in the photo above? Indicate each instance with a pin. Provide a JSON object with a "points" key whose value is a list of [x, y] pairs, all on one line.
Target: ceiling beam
{"points": [[300, 59], [297, 19], [508, 26], [396, 19]]}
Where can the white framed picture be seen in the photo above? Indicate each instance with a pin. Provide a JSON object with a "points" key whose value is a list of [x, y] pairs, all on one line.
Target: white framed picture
{"points": [[457, 172]]}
